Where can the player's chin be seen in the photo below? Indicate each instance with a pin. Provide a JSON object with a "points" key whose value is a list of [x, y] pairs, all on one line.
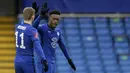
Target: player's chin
{"points": [[54, 26]]}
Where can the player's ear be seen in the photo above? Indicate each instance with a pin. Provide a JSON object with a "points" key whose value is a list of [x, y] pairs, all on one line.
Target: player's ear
{"points": [[33, 17]]}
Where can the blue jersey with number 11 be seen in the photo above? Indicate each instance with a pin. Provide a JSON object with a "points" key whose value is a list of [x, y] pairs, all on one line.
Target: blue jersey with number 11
{"points": [[26, 40]]}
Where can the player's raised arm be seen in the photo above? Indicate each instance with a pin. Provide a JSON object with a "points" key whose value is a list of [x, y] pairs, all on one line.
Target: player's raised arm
{"points": [[64, 50], [41, 15], [38, 48]]}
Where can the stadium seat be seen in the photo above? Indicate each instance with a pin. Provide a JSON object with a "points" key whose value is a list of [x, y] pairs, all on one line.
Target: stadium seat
{"points": [[106, 44], [101, 25], [107, 62], [127, 20], [85, 20], [111, 68], [104, 38], [73, 39], [100, 20], [127, 25], [102, 31], [86, 25], [70, 20], [117, 31], [108, 56], [115, 20], [96, 68], [116, 25], [120, 45], [89, 31], [71, 32]]}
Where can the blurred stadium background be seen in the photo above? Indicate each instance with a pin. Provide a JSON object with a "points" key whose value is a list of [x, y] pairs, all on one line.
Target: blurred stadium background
{"points": [[96, 33]]}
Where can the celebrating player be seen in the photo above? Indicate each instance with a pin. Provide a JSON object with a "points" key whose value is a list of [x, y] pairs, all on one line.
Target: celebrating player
{"points": [[50, 37], [26, 41]]}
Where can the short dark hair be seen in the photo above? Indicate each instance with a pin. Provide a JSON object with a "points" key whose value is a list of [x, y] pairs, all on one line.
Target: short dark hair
{"points": [[28, 12], [54, 12]]}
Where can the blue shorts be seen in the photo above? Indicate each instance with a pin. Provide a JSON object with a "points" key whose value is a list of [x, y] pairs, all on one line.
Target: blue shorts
{"points": [[23, 67]]}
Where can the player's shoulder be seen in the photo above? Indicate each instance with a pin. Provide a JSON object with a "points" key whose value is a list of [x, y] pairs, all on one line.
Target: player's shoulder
{"points": [[32, 29], [58, 30], [16, 25], [42, 26]]}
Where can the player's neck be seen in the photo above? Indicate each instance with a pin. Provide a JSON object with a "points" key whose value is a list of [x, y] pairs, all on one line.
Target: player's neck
{"points": [[49, 25], [28, 22]]}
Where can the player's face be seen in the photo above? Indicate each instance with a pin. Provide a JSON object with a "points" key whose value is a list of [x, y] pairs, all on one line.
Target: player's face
{"points": [[54, 20]]}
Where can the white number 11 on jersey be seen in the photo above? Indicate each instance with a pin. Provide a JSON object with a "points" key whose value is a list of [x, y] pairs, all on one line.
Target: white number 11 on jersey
{"points": [[22, 40]]}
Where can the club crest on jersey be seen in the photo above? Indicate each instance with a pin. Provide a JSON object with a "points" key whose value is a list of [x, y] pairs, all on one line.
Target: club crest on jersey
{"points": [[36, 35], [58, 33], [49, 31]]}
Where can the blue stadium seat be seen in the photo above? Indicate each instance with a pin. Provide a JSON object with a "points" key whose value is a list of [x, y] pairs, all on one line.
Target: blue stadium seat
{"points": [[108, 56], [89, 38], [86, 25], [97, 71], [85, 20], [74, 45], [95, 62], [115, 20], [101, 25], [105, 45], [95, 68], [106, 51], [76, 51], [73, 39], [90, 44], [121, 45], [111, 68], [70, 20], [102, 31], [126, 68], [91, 52], [64, 69], [87, 32], [92, 57], [70, 26], [104, 38], [116, 25], [128, 32], [127, 20], [122, 50], [72, 32], [124, 62], [114, 72], [100, 20], [108, 62], [118, 31], [127, 25]]}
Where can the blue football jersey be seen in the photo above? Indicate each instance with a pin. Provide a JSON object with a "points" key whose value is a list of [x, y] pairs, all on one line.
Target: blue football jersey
{"points": [[25, 34], [49, 40]]}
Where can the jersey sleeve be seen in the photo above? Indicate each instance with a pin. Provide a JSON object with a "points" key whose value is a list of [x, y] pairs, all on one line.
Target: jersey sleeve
{"points": [[62, 46], [37, 45], [34, 35], [37, 22], [40, 31]]}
